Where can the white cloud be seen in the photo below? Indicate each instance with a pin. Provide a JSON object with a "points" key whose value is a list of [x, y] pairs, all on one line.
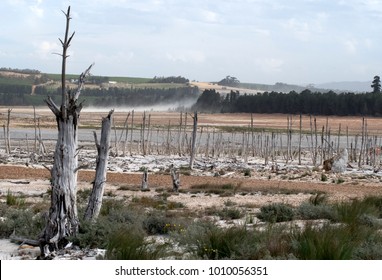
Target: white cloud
{"points": [[186, 56], [270, 64], [305, 29], [351, 46], [209, 16], [45, 49], [36, 9]]}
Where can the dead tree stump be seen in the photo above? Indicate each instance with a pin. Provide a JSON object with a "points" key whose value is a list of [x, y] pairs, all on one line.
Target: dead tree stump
{"points": [[95, 200]]}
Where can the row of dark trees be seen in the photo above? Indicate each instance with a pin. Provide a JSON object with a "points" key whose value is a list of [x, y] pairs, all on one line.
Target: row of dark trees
{"points": [[171, 79], [306, 102], [15, 95], [21, 71]]}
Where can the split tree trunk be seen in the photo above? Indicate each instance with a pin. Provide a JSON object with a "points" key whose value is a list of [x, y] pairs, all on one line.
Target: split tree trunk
{"points": [[95, 200]]}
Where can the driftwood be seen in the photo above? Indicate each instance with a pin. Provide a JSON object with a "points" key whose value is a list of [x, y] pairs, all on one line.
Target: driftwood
{"points": [[21, 240]]}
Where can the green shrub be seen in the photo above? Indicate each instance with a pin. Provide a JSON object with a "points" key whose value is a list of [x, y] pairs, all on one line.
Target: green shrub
{"points": [[369, 249], [326, 243], [13, 200], [23, 222], [207, 241], [276, 212], [155, 223], [129, 244], [324, 178], [247, 172], [231, 213], [83, 195], [308, 211], [340, 180], [352, 212], [376, 201]]}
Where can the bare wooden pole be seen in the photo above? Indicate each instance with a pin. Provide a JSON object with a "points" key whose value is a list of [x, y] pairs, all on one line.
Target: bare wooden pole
{"points": [[193, 141], [143, 133], [35, 129], [126, 129], [148, 137], [8, 132], [131, 133], [299, 141], [339, 139], [252, 137], [362, 143], [180, 134]]}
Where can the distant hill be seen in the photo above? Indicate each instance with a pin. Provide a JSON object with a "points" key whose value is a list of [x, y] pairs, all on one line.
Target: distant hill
{"points": [[350, 86]]}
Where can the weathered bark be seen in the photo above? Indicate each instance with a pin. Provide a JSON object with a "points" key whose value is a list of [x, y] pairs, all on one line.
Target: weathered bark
{"points": [[62, 220], [95, 199]]}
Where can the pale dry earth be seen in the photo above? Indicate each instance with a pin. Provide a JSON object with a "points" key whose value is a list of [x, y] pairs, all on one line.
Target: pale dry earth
{"points": [[91, 117]]}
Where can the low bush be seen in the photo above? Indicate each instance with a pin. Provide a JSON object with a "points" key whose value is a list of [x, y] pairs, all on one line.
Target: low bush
{"points": [[129, 243], [230, 213], [308, 211], [22, 222], [352, 213], [325, 243], [276, 212], [13, 200]]}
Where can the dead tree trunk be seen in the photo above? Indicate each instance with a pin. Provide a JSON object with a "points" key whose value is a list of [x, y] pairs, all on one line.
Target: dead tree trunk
{"points": [[95, 200], [145, 179], [299, 141], [62, 220], [193, 141], [35, 130], [175, 179], [8, 136]]}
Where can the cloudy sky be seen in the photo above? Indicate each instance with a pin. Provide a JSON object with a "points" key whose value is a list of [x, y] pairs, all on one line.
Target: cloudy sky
{"points": [[263, 41]]}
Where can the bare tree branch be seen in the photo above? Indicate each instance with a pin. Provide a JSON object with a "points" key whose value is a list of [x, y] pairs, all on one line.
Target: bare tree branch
{"points": [[52, 106], [81, 82]]}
